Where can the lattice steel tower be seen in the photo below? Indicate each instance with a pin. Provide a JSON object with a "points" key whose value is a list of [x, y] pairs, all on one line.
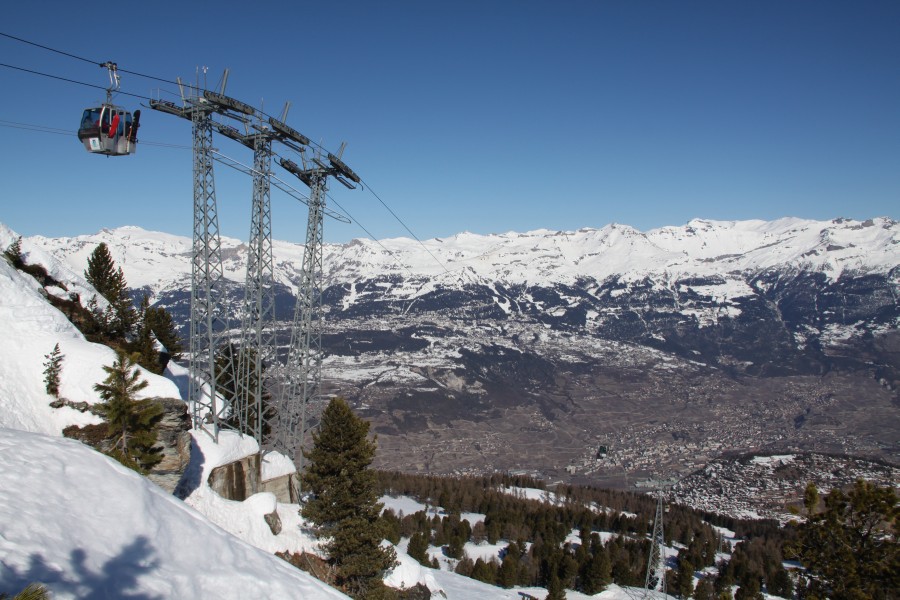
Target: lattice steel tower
{"points": [[656, 564], [208, 325], [229, 386], [300, 403]]}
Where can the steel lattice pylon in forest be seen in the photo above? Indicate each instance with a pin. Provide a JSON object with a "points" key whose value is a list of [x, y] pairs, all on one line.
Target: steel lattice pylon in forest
{"points": [[656, 564]]}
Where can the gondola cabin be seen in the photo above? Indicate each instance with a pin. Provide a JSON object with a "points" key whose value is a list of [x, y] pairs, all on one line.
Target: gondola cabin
{"points": [[109, 130]]}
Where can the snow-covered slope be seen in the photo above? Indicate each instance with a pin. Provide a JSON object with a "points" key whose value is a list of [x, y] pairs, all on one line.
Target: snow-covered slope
{"points": [[77, 520], [31, 327], [88, 527]]}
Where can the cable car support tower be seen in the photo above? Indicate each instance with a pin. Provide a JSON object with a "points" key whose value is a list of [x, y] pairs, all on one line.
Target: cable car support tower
{"points": [[655, 581], [207, 325], [244, 377], [299, 405]]}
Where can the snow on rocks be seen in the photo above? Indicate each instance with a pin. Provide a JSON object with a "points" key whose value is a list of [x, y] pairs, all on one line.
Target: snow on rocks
{"points": [[243, 519], [409, 573]]}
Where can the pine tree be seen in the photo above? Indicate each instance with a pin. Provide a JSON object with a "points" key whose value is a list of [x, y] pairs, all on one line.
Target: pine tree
{"points": [[239, 381], [508, 574], [484, 571], [101, 272], [344, 504], [160, 323], [555, 590], [811, 498], [750, 590], [779, 584], [131, 423], [52, 371], [596, 573], [33, 591], [109, 281], [418, 548], [143, 348], [704, 590], [850, 549], [684, 578], [14, 252]]}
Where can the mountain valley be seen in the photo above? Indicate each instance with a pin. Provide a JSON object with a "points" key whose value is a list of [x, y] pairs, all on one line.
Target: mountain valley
{"points": [[602, 356]]}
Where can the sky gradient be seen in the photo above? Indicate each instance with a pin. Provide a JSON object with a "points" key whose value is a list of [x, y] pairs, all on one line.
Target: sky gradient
{"points": [[481, 116]]}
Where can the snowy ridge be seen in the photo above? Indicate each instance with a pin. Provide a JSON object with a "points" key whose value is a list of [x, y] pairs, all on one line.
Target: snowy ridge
{"points": [[161, 262], [81, 523]]}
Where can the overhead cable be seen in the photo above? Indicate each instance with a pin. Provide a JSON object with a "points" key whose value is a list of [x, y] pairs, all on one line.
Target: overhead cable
{"points": [[99, 87], [75, 56], [399, 220], [58, 131]]}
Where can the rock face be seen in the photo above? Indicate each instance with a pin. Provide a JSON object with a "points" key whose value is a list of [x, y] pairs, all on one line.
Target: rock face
{"points": [[282, 487], [174, 437], [273, 521], [237, 480]]}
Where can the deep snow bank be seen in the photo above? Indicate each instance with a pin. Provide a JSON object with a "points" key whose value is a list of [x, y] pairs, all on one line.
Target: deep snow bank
{"points": [[88, 527]]}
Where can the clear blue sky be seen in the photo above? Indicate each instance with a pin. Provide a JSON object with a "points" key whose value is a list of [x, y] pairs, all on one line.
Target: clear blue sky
{"points": [[484, 116]]}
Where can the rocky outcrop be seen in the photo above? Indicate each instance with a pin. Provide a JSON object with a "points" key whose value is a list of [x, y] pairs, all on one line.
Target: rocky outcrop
{"points": [[173, 434], [282, 487], [273, 521], [237, 480]]}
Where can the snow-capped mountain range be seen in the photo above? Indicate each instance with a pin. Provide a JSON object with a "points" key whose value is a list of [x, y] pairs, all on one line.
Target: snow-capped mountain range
{"points": [[815, 281], [702, 248]]}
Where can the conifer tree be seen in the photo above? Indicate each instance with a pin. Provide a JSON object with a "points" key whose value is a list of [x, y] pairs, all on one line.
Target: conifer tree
{"points": [[418, 548], [14, 252], [704, 590], [131, 423], [109, 281], [160, 323], [52, 371], [750, 590], [33, 591], [597, 571], [484, 571], [850, 549], [555, 590], [344, 504], [144, 349], [101, 272], [684, 578]]}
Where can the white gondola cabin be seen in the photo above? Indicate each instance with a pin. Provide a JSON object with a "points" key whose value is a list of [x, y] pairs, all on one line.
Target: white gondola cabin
{"points": [[109, 130]]}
